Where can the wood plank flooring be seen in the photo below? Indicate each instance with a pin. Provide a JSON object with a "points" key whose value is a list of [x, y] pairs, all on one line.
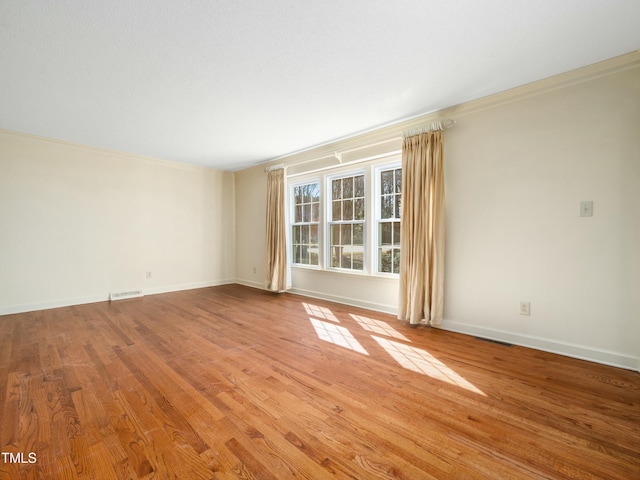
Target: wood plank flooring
{"points": [[236, 383]]}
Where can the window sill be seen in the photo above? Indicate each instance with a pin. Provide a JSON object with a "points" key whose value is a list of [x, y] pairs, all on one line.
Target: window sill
{"points": [[375, 276]]}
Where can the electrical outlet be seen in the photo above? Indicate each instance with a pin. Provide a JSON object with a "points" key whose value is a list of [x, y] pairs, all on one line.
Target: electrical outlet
{"points": [[525, 308], [254, 270], [148, 274]]}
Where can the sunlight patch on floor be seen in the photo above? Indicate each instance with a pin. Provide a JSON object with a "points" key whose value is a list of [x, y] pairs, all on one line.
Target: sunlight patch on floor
{"points": [[423, 362], [378, 326], [320, 312], [337, 335]]}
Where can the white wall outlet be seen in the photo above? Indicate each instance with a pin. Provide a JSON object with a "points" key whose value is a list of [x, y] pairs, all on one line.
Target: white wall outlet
{"points": [[148, 274], [586, 208], [525, 308], [254, 270]]}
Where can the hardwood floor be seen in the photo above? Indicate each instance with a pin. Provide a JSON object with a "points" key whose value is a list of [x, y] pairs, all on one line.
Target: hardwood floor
{"points": [[232, 382]]}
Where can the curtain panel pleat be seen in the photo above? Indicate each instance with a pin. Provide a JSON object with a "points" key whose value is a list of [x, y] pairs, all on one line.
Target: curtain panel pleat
{"points": [[422, 230], [276, 257]]}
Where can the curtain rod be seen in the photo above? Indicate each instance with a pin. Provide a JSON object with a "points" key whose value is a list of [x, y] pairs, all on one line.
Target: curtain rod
{"points": [[334, 155], [279, 166], [346, 164], [431, 127]]}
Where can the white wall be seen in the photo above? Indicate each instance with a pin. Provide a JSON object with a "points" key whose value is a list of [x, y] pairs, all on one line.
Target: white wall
{"points": [[251, 195], [515, 176], [78, 223], [517, 166]]}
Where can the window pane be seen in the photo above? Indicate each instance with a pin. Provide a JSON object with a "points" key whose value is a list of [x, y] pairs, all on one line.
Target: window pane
{"points": [[336, 253], [335, 234], [358, 209], [358, 234], [396, 233], [358, 186], [345, 259], [386, 207], [336, 189], [396, 260], [304, 238], [347, 187], [346, 235], [337, 211], [347, 210], [384, 260], [398, 180], [358, 258], [397, 211], [385, 233], [346, 245], [386, 182], [315, 192]]}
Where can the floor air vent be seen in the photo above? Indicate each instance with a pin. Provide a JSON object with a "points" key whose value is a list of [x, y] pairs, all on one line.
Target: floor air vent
{"points": [[123, 295], [497, 342]]}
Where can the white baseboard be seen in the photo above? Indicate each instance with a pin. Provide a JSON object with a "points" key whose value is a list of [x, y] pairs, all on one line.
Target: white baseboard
{"points": [[581, 352], [187, 286], [546, 345], [354, 302], [249, 283], [68, 302]]}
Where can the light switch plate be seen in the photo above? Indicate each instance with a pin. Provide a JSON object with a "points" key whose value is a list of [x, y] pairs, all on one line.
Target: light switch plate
{"points": [[586, 208]]}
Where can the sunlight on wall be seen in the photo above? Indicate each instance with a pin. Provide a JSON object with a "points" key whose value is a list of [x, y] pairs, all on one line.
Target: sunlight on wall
{"points": [[337, 335], [423, 362], [377, 326]]}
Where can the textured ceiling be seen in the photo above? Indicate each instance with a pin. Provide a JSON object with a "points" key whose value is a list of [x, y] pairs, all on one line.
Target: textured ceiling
{"points": [[232, 83]]}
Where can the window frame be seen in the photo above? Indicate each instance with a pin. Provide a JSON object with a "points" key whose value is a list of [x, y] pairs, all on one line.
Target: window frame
{"points": [[292, 222], [370, 169], [378, 220], [329, 221]]}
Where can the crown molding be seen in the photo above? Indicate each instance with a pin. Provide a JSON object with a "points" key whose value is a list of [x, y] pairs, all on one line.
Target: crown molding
{"points": [[585, 74], [394, 131], [106, 151]]}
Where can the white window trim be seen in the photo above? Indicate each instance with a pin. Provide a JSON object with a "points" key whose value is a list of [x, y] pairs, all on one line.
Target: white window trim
{"points": [[328, 208], [371, 171], [291, 222], [378, 214]]}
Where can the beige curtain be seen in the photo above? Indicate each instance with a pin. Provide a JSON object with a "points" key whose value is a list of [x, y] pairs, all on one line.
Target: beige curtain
{"points": [[276, 260], [422, 230]]}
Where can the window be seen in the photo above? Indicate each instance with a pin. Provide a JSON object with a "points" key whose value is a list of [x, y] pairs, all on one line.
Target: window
{"points": [[306, 217], [347, 219], [390, 188], [346, 224]]}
